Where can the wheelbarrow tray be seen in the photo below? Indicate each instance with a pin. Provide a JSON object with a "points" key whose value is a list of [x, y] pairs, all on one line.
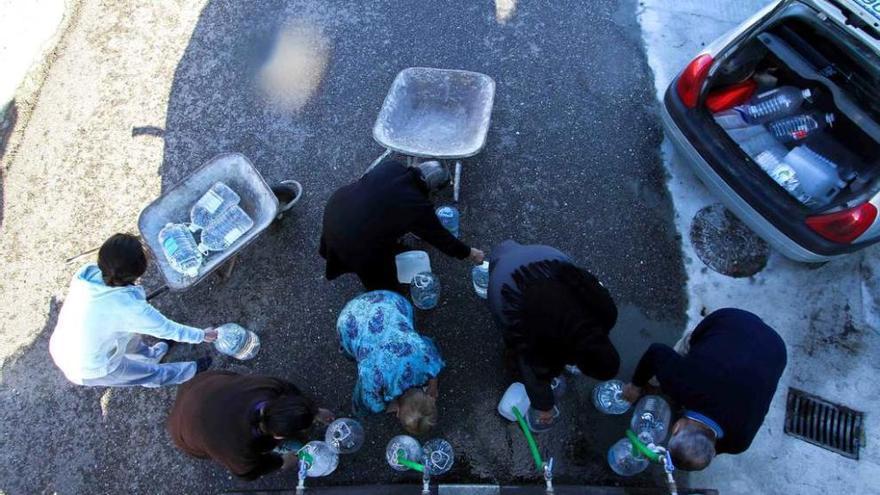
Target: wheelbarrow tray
{"points": [[237, 172], [436, 113]]}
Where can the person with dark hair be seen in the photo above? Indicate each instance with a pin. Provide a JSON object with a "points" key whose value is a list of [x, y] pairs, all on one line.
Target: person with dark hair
{"points": [[97, 340], [724, 375], [237, 420], [365, 220], [551, 313]]}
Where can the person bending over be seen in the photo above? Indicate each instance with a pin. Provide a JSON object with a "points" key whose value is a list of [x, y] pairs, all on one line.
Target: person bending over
{"points": [[725, 381], [551, 313], [97, 340], [237, 420], [397, 367], [364, 221]]}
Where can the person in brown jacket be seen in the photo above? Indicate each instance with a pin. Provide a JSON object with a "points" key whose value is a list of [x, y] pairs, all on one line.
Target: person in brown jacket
{"points": [[237, 420]]}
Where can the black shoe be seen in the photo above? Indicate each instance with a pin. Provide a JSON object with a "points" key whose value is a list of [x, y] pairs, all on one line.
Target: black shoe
{"points": [[203, 363]]}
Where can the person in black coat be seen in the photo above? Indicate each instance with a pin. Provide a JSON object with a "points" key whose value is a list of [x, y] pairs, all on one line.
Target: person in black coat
{"points": [[551, 313], [364, 221], [725, 383]]}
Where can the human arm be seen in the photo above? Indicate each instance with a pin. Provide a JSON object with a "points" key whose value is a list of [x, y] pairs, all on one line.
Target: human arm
{"points": [[539, 390], [428, 227], [147, 320]]}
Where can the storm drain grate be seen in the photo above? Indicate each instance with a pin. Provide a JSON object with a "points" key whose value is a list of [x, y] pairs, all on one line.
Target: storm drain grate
{"points": [[823, 423]]}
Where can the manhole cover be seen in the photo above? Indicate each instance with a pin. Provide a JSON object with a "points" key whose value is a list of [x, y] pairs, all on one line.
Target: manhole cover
{"points": [[725, 244], [823, 423]]}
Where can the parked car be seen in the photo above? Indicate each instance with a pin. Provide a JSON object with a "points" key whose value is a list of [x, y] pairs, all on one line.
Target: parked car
{"points": [[803, 171]]}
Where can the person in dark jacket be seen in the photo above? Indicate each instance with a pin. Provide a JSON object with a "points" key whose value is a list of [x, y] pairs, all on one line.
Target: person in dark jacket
{"points": [[551, 313], [364, 221], [237, 420], [725, 384]]}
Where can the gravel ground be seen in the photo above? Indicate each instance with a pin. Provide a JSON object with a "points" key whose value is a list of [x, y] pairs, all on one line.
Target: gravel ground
{"points": [[141, 94]]}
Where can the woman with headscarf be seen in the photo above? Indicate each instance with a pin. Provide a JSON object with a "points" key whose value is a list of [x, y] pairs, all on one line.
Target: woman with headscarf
{"points": [[551, 313]]}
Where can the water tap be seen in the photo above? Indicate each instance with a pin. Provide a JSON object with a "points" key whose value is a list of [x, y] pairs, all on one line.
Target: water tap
{"points": [[301, 477], [426, 477], [548, 476]]}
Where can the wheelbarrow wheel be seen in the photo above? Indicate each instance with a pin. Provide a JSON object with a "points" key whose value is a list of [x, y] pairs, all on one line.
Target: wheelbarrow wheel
{"points": [[288, 193]]}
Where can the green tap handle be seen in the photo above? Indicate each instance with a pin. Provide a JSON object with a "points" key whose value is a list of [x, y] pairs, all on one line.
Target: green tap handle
{"points": [[415, 466], [533, 447], [302, 454], [640, 447]]}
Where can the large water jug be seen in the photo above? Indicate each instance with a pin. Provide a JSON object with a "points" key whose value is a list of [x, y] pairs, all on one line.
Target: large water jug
{"points": [[624, 461], [775, 104], [345, 436], [439, 456], [180, 249], [320, 459], [480, 277], [425, 290], [236, 341], [409, 263], [224, 230], [214, 202], [650, 420], [608, 398], [406, 445], [450, 218]]}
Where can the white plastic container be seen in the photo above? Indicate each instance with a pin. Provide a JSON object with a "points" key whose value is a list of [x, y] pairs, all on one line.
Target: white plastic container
{"points": [[816, 174], [410, 263]]}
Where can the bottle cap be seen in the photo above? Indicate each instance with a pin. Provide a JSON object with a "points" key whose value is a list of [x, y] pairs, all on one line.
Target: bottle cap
{"points": [[829, 117], [807, 94]]}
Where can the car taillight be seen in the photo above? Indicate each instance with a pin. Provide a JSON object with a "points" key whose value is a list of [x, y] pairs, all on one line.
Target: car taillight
{"points": [[691, 80], [844, 226], [730, 96]]}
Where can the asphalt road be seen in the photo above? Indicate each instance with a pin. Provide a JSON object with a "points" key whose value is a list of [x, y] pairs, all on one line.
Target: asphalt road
{"points": [[571, 160]]}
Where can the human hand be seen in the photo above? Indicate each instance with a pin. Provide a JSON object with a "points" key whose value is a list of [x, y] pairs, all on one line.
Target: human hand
{"points": [[324, 416], [291, 459], [210, 335], [476, 257], [631, 393]]}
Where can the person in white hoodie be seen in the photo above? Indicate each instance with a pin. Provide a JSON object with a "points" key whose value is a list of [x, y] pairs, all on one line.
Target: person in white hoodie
{"points": [[97, 340]]}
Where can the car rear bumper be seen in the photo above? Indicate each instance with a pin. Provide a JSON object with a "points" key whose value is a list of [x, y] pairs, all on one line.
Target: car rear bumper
{"points": [[732, 200]]}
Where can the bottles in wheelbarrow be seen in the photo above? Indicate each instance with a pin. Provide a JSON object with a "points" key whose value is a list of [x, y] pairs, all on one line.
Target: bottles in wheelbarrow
{"points": [[212, 204], [180, 249], [236, 341], [224, 230]]}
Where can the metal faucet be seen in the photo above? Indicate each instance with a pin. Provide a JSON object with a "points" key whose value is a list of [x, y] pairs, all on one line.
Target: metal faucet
{"points": [[548, 476], [301, 477], [426, 478]]}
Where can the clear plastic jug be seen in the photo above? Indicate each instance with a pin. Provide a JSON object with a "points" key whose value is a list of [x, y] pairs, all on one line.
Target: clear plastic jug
{"points": [[608, 398], [236, 341], [650, 420], [425, 290], [323, 459], [480, 278], [213, 203], [224, 230], [450, 218], [403, 443], [439, 456], [345, 436], [180, 250], [624, 461]]}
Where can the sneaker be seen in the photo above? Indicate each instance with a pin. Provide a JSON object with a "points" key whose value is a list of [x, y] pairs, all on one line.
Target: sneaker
{"points": [[203, 363]]}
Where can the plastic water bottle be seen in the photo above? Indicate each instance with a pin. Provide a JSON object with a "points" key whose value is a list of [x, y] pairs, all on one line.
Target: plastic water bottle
{"points": [[650, 420], [406, 444], [623, 461], [236, 341], [439, 456], [799, 127], [214, 202], [480, 277], [450, 218], [425, 290], [180, 249], [224, 230], [608, 398], [775, 104], [345, 436], [323, 459]]}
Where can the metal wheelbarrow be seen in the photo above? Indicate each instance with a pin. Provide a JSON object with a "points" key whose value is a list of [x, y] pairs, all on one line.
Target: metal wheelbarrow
{"points": [[258, 200], [438, 114]]}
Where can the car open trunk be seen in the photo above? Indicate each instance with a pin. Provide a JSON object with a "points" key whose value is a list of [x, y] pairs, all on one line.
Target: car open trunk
{"points": [[831, 168]]}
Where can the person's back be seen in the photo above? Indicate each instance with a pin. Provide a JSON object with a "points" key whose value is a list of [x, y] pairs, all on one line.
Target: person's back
{"points": [[217, 415]]}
